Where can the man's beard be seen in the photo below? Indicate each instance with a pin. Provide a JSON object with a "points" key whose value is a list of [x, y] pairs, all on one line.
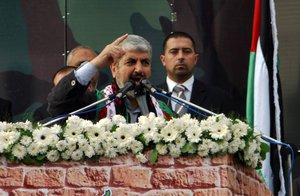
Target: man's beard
{"points": [[134, 77]]}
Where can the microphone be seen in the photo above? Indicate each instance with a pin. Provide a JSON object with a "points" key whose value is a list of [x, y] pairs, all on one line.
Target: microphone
{"points": [[128, 86], [140, 96], [146, 83]]}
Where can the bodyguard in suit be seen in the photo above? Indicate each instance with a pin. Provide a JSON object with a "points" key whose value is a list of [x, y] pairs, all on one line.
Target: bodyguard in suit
{"points": [[179, 60]]}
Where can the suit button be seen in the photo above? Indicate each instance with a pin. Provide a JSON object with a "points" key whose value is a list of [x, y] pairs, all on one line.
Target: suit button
{"points": [[73, 82]]}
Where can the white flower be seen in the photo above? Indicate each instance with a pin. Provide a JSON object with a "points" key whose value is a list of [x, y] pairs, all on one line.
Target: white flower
{"points": [[19, 151], [89, 151], [77, 155], [194, 134], [42, 149], [169, 133], [141, 157], [71, 145], [151, 134], [219, 131], [162, 149], [24, 125], [174, 150], [26, 140], [203, 148], [118, 119], [234, 146], [95, 132], [98, 150], [110, 152], [105, 123], [53, 155], [61, 145], [83, 144], [34, 149], [45, 136], [8, 138], [240, 129], [136, 146], [66, 155], [180, 142], [123, 136]]}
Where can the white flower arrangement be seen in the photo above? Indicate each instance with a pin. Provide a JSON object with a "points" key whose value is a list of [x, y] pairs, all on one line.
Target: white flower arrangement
{"points": [[81, 139]]}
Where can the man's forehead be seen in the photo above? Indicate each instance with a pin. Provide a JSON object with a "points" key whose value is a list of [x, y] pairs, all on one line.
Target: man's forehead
{"points": [[133, 54], [179, 41]]}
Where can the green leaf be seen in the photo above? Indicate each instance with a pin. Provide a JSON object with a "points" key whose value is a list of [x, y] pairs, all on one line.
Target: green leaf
{"points": [[264, 149], [185, 148], [153, 156], [38, 163], [26, 132], [27, 160], [41, 157], [10, 157], [141, 138], [95, 158]]}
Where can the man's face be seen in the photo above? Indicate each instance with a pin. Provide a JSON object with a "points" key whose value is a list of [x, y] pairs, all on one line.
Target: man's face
{"points": [[179, 59], [134, 65]]}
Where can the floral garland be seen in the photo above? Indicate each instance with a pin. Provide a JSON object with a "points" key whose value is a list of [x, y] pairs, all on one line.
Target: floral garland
{"points": [[81, 139]]}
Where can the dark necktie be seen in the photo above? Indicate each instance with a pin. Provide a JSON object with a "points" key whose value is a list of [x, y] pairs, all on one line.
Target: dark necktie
{"points": [[179, 89]]}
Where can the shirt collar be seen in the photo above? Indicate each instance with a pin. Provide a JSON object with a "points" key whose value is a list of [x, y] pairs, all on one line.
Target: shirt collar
{"points": [[188, 84]]}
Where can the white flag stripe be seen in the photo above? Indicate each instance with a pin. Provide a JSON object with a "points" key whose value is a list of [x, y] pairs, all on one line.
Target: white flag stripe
{"points": [[261, 120]]}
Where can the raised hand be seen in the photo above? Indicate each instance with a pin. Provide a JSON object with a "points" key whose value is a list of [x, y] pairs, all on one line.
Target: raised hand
{"points": [[110, 53]]}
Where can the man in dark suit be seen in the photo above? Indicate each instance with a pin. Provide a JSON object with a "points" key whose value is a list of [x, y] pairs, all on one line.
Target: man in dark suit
{"points": [[180, 59], [5, 110]]}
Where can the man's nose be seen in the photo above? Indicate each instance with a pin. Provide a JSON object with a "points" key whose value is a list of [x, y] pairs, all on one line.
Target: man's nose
{"points": [[180, 54], [138, 67]]}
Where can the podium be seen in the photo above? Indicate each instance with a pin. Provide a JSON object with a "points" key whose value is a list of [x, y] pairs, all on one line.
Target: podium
{"points": [[125, 175]]}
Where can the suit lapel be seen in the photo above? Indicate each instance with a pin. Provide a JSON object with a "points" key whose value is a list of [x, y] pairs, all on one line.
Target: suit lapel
{"points": [[164, 86], [199, 93]]}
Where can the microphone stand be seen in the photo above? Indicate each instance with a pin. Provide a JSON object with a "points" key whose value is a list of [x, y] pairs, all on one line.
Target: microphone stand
{"points": [[266, 138], [185, 101], [79, 110]]}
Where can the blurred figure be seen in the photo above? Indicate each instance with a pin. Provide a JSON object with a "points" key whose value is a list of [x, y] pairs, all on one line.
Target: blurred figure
{"points": [[79, 55], [5, 110]]}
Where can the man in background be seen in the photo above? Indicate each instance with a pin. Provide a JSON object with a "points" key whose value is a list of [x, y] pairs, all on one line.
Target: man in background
{"points": [[79, 55], [179, 60]]}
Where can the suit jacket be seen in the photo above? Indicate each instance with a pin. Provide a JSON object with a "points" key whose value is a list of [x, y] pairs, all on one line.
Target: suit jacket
{"points": [[5, 110], [68, 96], [208, 97]]}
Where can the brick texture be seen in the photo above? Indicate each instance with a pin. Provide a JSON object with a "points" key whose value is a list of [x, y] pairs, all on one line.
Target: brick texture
{"points": [[124, 175]]}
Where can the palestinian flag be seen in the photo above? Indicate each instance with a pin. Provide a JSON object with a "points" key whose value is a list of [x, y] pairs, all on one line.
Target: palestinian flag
{"points": [[263, 101]]}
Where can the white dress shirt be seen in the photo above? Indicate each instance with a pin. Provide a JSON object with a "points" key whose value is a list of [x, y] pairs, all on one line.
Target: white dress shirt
{"points": [[188, 93]]}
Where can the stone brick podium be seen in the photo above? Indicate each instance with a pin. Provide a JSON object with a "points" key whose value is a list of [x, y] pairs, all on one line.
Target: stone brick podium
{"points": [[124, 175]]}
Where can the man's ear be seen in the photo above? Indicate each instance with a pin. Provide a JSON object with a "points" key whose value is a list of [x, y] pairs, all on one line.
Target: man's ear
{"points": [[196, 58], [162, 59], [113, 68]]}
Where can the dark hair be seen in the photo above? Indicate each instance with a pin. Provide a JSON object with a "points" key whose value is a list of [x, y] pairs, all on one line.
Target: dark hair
{"points": [[63, 70], [177, 34]]}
